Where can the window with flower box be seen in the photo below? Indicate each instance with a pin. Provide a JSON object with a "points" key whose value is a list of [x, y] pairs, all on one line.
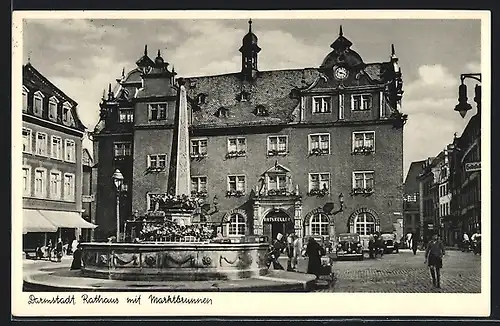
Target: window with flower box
{"points": [[319, 144], [277, 184], [236, 225], [319, 225], [236, 185], [26, 140], [198, 148], [277, 145], [363, 142], [122, 149], [69, 151], [157, 162], [41, 144], [363, 182], [236, 147], [322, 104], [319, 184], [361, 102], [157, 111], [199, 186], [56, 148], [38, 103]]}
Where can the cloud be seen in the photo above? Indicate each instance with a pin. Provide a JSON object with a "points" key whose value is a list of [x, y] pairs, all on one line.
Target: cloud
{"points": [[87, 28], [473, 67]]}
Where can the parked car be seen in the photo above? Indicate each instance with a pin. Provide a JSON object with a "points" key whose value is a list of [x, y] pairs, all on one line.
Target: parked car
{"points": [[390, 244], [349, 245]]}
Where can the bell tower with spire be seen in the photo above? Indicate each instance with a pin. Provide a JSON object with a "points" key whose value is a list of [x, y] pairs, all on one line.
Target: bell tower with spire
{"points": [[249, 53]]}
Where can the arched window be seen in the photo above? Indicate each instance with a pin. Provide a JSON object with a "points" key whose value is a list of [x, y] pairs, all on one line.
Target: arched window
{"points": [[319, 224], [236, 225], [364, 224]]}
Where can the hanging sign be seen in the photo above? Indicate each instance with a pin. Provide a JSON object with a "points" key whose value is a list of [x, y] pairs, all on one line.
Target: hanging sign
{"points": [[472, 166]]}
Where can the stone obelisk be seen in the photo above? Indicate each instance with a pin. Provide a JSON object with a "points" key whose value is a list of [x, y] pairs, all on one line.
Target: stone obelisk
{"points": [[182, 173]]}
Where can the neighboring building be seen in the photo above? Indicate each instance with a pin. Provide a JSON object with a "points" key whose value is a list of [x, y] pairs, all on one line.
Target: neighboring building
{"points": [[271, 151], [52, 162], [442, 195], [427, 201], [411, 205], [87, 195], [466, 178]]}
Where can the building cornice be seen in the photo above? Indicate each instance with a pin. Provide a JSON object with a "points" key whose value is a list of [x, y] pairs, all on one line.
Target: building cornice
{"points": [[52, 125], [148, 126]]}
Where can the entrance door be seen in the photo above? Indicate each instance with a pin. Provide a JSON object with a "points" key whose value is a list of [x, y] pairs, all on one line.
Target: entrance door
{"points": [[277, 222]]}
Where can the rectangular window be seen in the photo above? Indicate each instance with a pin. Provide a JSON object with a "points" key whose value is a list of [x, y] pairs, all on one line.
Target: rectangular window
{"points": [[52, 109], [277, 145], [122, 149], [126, 116], [363, 180], [199, 184], [198, 147], [56, 148], [66, 113], [322, 104], [41, 143], [361, 102], [69, 150], [157, 161], [40, 179], [236, 183], [26, 181], [26, 140], [157, 111], [37, 104], [69, 187], [55, 185], [277, 182], [319, 144], [319, 181], [363, 141], [25, 101], [237, 146]]}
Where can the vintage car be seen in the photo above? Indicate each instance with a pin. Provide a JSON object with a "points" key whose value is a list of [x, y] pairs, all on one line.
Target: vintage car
{"points": [[349, 245], [389, 240]]}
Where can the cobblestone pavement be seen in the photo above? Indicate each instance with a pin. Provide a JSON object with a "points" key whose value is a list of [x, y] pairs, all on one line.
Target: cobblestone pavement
{"points": [[406, 273]]}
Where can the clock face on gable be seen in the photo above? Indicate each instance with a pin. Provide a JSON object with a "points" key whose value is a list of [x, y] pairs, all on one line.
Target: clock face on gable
{"points": [[340, 73]]}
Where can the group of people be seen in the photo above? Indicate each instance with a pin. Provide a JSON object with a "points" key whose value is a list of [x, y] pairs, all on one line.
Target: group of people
{"points": [[472, 242], [59, 249], [295, 250]]}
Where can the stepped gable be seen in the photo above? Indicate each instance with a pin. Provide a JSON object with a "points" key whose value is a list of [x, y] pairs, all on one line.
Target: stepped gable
{"points": [[271, 89]]}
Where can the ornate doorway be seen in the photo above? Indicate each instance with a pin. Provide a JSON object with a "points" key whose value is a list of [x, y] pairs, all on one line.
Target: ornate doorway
{"points": [[277, 222]]}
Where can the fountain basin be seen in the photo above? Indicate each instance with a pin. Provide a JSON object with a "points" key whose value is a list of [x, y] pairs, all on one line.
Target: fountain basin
{"points": [[194, 261]]}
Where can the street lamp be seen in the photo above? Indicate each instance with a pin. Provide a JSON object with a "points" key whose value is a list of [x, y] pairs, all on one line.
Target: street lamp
{"points": [[462, 107], [118, 181]]}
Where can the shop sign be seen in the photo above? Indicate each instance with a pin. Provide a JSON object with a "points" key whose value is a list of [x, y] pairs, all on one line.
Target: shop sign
{"points": [[274, 219], [156, 214], [88, 198], [472, 166]]}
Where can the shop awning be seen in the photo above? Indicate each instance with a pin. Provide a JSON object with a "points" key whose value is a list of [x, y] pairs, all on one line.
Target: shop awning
{"points": [[68, 220], [33, 221]]}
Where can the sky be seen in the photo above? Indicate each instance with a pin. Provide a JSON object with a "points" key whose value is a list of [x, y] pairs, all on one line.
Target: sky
{"points": [[82, 56]]}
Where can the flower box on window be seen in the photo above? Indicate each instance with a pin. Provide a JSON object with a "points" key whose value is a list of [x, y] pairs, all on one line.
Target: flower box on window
{"points": [[275, 152], [154, 169], [318, 192], [198, 155], [362, 191], [201, 194], [234, 193], [232, 154], [171, 201], [363, 150], [318, 151], [277, 192]]}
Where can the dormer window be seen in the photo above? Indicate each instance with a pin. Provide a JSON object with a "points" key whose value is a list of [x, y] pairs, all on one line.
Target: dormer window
{"points": [[222, 112], [261, 110], [201, 99], [192, 83], [66, 113], [25, 99], [243, 96], [38, 103], [53, 102]]}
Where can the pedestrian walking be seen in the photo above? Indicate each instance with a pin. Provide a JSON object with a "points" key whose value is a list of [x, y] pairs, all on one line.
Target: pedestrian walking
{"points": [[414, 245], [276, 249], [289, 251], [77, 255], [314, 251], [297, 252], [49, 249], [59, 250], [434, 259]]}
